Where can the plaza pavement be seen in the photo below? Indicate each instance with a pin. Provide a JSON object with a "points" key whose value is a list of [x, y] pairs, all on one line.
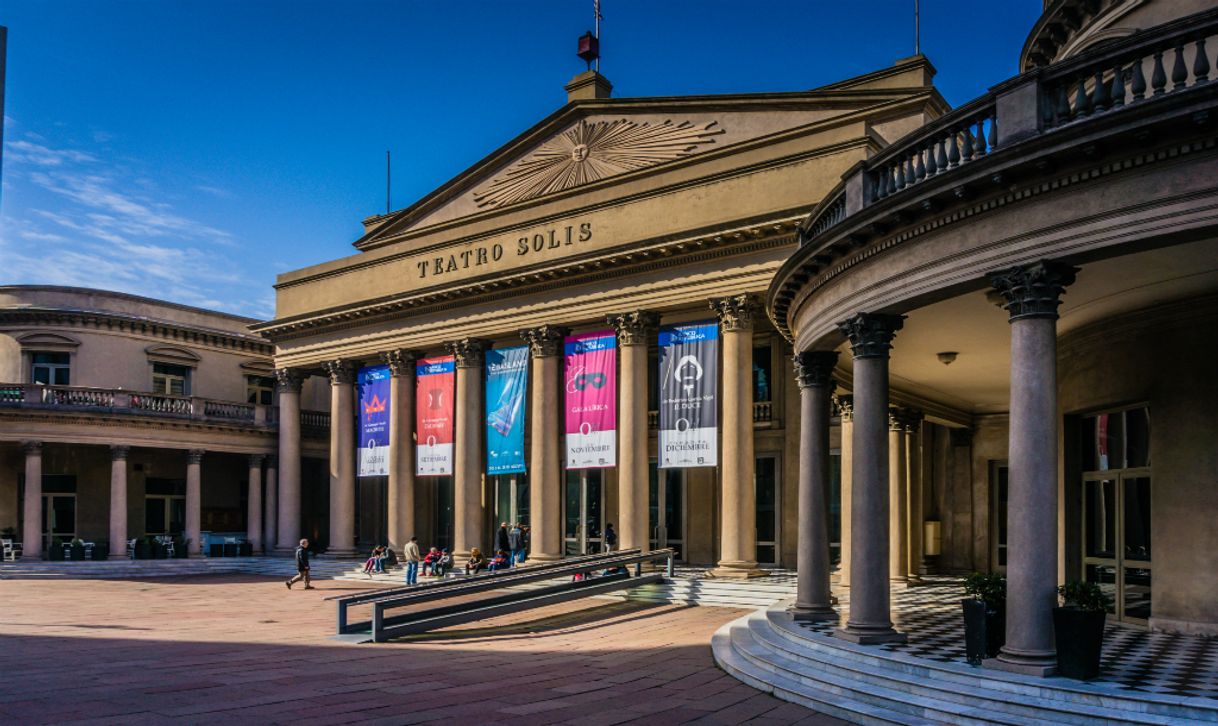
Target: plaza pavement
{"points": [[242, 649]]}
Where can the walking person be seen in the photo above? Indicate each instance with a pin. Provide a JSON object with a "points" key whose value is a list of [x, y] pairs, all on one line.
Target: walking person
{"points": [[413, 557], [302, 566], [610, 538], [516, 544], [501, 538]]}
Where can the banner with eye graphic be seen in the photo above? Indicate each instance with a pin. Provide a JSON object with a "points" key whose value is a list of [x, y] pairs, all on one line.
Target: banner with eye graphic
{"points": [[435, 385], [590, 370], [689, 384]]}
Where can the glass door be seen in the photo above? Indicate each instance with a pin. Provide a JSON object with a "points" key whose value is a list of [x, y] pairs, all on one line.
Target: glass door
{"points": [[766, 479], [444, 512], [666, 509], [511, 500], [583, 512], [58, 519], [1116, 540]]}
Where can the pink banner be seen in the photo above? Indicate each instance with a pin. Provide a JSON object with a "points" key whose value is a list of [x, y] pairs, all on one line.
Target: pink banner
{"points": [[591, 400], [435, 385]]}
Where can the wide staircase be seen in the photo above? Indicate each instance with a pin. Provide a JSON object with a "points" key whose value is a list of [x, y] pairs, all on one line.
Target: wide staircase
{"points": [[805, 664], [31, 569]]}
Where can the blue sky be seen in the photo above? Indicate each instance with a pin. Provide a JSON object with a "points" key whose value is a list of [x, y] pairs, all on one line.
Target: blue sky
{"points": [[193, 149]]}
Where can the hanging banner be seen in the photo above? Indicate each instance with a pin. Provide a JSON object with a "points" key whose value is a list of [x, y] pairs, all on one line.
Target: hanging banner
{"points": [[591, 400], [507, 371], [436, 383], [689, 382], [373, 421]]}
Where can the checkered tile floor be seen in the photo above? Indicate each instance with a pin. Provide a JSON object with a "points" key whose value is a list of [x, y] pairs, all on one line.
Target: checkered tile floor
{"points": [[1133, 658]]}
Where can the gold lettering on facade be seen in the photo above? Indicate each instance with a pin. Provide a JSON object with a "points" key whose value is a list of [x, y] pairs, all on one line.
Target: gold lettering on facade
{"points": [[526, 244]]}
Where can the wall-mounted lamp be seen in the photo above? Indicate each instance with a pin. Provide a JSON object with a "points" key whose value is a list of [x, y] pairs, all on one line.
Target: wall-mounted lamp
{"points": [[947, 357]]}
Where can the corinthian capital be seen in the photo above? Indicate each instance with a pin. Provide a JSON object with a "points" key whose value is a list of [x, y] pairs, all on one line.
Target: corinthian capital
{"points": [[401, 361], [814, 368], [736, 312], [871, 334], [635, 327], [340, 370], [545, 340], [1033, 291], [469, 352], [288, 380], [843, 406]]}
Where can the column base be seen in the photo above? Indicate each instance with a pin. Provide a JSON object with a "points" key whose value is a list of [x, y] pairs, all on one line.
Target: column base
{"points": [[813, 613], [869, 636], [1039, 664], [341, 552], [914, 580], [542, 557], [738, 570]]}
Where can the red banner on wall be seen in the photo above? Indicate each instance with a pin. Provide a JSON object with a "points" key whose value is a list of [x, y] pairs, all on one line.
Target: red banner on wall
{"points": [[435, 387]]}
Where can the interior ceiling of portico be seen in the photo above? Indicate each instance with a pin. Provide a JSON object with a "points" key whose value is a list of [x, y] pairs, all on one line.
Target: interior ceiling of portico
{"points": [[975, 328]]}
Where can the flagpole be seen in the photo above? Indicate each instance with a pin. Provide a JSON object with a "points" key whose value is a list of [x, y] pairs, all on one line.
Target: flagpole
{"points": [[917, 31], [596, 11]]}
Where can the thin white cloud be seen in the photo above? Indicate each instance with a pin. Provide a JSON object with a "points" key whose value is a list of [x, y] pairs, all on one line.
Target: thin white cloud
{"points": [[28, 152]]}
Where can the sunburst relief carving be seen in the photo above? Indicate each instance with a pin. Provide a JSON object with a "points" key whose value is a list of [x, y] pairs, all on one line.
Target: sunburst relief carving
{"points": [[588, 152]]}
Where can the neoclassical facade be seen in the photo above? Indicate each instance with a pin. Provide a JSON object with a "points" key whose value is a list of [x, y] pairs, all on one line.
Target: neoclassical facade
{"points": [[123, 417], [1043, 260]]}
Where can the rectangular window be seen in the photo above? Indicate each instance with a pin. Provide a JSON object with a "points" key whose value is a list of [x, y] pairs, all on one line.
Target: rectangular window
{"points": [[259, 389], [762, 373], [170, 379], [53, 369]]}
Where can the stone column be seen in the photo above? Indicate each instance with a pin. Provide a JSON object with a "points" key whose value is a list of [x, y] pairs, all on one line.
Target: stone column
{"points": [[194, 500], [288, 530], [545, 474], [870, 620], [270, 514], [845, 412], [31, 527], [469, 518], [342, 457], [401, 445], [912, 421], [253, 502], [634, 329], [898, 502], [814, 373], [118, 501], [1031, 295], [738, 508]]}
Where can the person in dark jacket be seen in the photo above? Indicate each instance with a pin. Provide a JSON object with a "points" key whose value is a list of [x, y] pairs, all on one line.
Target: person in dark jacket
{"points": [[610, 538], [516, 544], [302, 566], [501, 538]]}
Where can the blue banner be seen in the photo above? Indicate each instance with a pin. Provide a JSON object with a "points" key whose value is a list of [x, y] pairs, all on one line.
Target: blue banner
{"points": [[374, 421], [507, 371]]}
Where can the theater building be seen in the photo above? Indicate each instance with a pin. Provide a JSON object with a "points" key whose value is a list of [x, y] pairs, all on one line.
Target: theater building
{"points": [[625, 215], [123, 417]]}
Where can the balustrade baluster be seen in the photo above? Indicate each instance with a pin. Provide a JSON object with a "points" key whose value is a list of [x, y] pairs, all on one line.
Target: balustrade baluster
{"points": [[941, 153], [992, 139], [1118, 86], [900, 176], [1137, 83], [931, 162], [1201, 64], [1179, 73], [1158, 77], [911, 176], [1082, 101], [1063, 103], [919, 167], [966, 145], [981, 150], [953, 154], [1099, 93]]}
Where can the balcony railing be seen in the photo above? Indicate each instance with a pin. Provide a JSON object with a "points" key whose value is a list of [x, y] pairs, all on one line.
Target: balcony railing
{"points": [[117, 400]]}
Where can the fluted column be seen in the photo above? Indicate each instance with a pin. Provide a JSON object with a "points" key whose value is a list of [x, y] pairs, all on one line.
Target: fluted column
{"points": [[270, 514], [118, 501], [253, 505], [468, 510], [913, 489], [401, 446], [814, 374], [342, 457], [194, 500], [870, 620], [845, 412], [898, 502], [288, 382], [738, 508], [31, 528], [1031, 295], [545, 475], [634, 330]]}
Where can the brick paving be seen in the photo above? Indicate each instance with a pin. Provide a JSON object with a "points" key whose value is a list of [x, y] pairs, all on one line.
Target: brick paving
{"points": [[242, 649]]}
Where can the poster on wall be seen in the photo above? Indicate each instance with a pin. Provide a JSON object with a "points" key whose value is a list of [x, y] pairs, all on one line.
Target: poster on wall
{"points": [[689, 384], [590, 368], [507, 371], [436, 384], [373, 421]]}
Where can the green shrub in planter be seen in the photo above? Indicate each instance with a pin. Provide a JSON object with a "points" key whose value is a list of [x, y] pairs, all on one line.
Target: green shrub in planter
{"points": [[984, 615], [1079, 629], [78, 549]]}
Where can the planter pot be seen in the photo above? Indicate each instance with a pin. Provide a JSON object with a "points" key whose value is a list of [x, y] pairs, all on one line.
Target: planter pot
{"points": [[101, 551], [78, 553], [1079, 636], [55, 552], [984, 630], [247, 549]]}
